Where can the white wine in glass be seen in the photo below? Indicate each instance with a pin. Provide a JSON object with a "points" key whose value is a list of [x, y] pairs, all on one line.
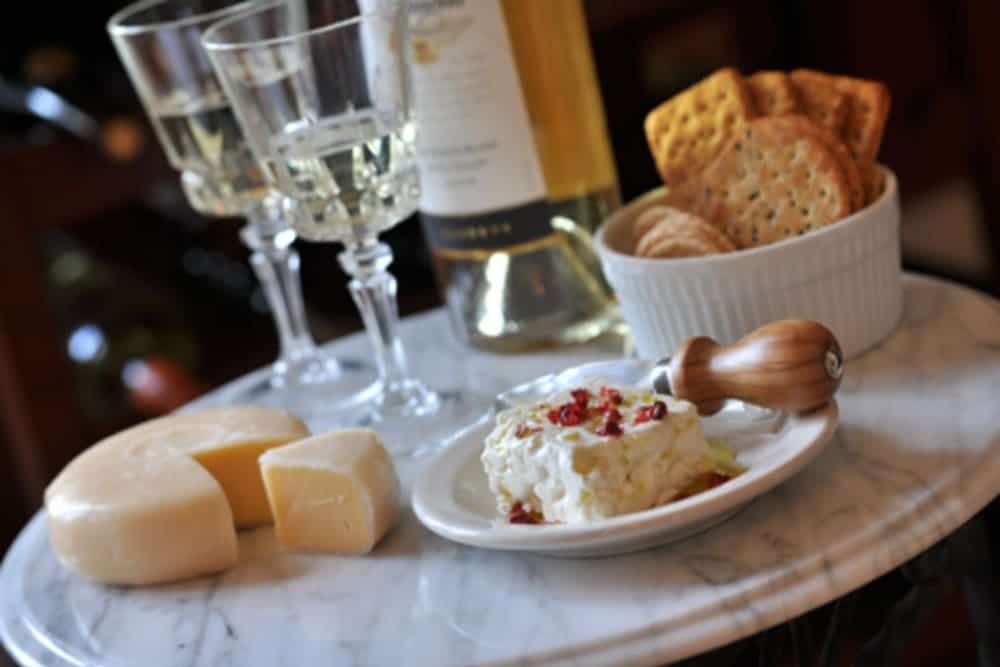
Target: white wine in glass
{"points": [[203, 139], [352, 175]]}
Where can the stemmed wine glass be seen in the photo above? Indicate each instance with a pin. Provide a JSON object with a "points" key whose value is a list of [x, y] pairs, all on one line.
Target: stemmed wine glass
{"points": [[321, 91], [159, 42]]}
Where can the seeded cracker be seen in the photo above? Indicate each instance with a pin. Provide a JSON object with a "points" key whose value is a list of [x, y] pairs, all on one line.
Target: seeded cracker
{"points": [[773, 93], [665, 232], [821, 102], [855, 181], [690, 129], [774, 181]]}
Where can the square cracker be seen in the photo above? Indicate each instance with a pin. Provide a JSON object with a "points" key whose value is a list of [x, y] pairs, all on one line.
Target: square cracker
{"points": [[821, 101], [867, 110], [773, 93], [686, 132], [773, 181]]}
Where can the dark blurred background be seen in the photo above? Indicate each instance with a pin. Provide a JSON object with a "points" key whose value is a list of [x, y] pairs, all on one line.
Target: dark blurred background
{"points": [[104, 262]]}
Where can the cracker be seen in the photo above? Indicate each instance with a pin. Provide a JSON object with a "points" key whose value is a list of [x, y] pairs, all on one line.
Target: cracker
{"points": [[774, 181], [687, 131], [689, 197], [672, 247], [664, 232], [867, 111], [773, 93], [647, 220], [855, 181], [820, 100], [873, 181]]}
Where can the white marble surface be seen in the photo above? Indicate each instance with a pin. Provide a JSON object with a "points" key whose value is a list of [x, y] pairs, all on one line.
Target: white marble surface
{"points": [[917, 453]]}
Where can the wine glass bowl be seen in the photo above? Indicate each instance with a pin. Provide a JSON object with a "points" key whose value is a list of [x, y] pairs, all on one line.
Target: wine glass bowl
{"points": [[327, 112], [321, 92], [158, 41], [353, 193]]}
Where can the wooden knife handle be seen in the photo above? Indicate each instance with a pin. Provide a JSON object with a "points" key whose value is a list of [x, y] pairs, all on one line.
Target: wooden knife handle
{"points": [[793, 365]]}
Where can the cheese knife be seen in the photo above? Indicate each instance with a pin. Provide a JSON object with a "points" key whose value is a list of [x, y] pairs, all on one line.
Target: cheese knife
{"points": [[790, 365]]}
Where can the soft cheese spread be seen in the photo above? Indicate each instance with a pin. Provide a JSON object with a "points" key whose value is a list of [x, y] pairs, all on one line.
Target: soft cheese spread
{"points": [[595, 451]]}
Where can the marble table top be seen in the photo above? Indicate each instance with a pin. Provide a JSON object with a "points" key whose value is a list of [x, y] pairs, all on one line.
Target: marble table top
{"points": [[915, 456]]}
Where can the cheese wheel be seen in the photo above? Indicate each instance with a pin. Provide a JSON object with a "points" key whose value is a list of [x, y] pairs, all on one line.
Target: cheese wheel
{"points": [[161, 501], [335, 492]]}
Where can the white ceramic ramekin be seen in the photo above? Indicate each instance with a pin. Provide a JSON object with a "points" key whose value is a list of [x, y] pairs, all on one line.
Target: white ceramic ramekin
{"points": [[846, 276]]}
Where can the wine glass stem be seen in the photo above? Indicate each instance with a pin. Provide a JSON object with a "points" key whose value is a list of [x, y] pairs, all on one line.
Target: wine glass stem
{"points": [[374, 291], [276, 265]]}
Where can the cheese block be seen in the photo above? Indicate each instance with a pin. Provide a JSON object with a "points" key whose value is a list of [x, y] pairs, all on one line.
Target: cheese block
{"points": [[334, 492], [565, 459], [161, 501]]}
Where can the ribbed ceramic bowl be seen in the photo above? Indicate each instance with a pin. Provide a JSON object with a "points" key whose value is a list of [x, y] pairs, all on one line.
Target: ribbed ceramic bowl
{"points": [[846, 276]]}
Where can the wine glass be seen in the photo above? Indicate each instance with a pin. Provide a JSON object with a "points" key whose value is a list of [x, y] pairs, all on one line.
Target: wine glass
{"points": [[321, 91], [159, 42]]}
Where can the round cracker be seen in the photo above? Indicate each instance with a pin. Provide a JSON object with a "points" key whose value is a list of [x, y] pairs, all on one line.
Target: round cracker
{"points": [[687, 198], [851, 171], [663, 231], [775, 180], [679, 246], [647, 220]]}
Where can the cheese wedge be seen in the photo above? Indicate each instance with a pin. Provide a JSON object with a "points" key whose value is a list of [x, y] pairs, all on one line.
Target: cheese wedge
{"points": [[335, 492], [161, 501]]}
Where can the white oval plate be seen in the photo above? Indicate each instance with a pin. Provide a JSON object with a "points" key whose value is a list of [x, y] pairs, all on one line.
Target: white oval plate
{"points": [[451, 496]]}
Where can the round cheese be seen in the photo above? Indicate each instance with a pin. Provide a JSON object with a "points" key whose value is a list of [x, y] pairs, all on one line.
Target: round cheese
{"points": [[161, 501]]}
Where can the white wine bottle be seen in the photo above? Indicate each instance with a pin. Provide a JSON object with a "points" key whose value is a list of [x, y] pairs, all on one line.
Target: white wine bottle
{"points": [[516, 168]]}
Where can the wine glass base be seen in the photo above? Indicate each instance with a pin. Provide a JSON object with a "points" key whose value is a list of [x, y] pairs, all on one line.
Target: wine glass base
{"points": [[325, 392], [408, 398], [413, 420]]}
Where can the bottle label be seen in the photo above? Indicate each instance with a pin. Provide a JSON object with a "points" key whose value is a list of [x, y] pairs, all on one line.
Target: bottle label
{"points": [[496, 230], [481, 180]]}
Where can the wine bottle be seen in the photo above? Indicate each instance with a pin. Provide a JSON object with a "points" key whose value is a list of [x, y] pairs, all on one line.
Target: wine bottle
{"points": [[516, 168]]}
